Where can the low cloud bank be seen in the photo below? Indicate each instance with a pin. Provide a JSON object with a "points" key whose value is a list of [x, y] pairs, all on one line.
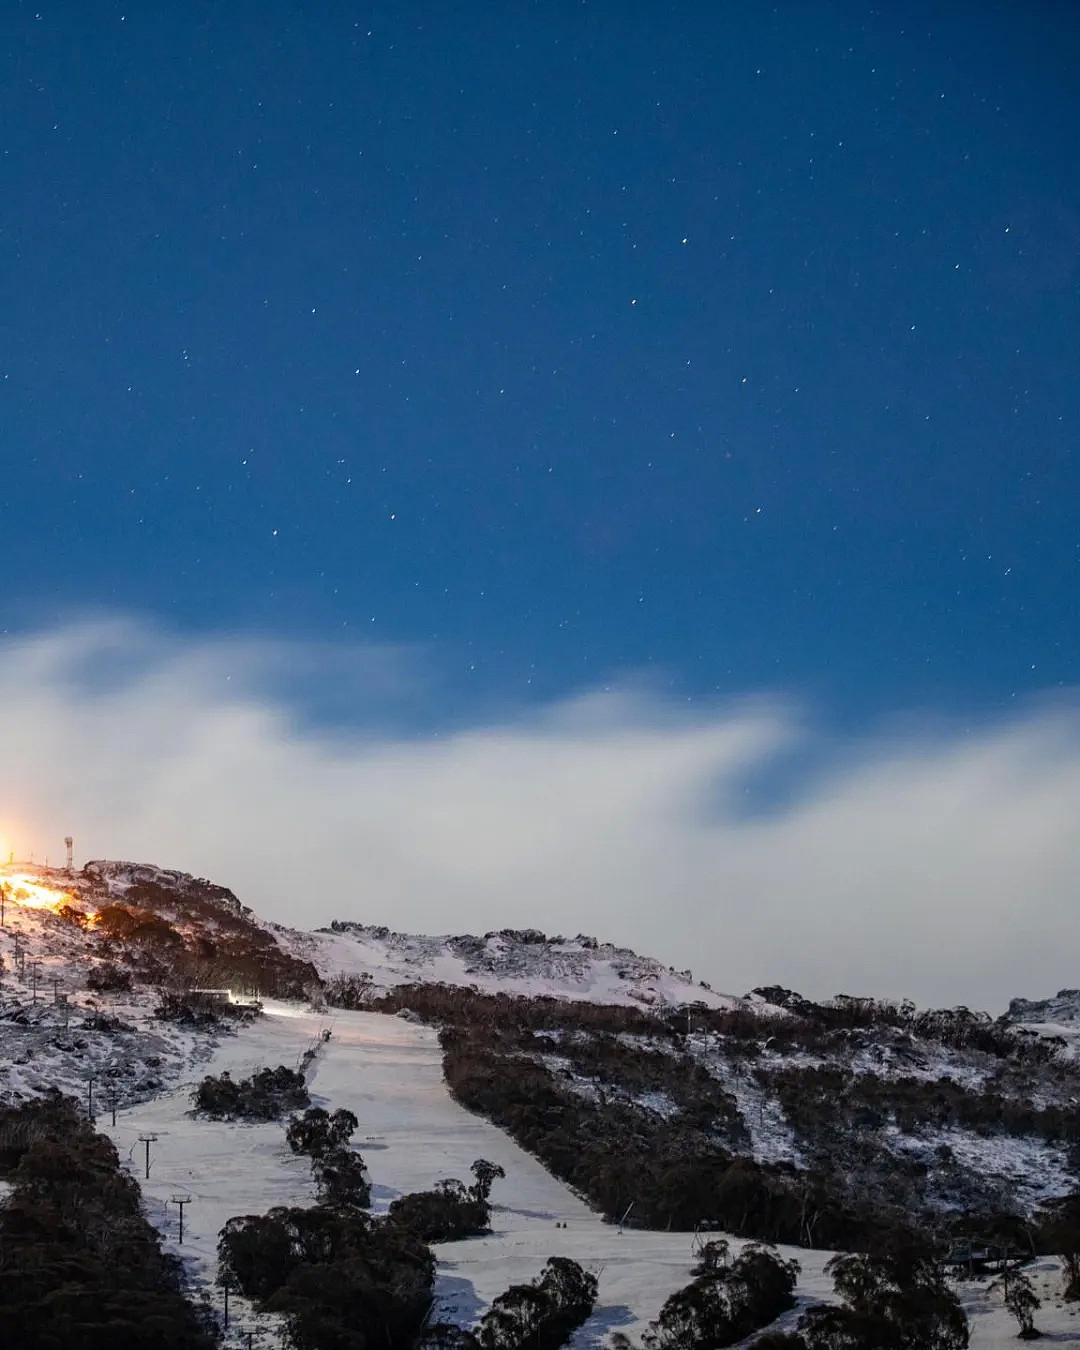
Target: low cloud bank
{"points": [[944, 866]]}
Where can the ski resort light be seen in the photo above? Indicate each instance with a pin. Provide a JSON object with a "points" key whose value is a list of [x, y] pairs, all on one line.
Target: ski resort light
{"points": [[30, 892]]}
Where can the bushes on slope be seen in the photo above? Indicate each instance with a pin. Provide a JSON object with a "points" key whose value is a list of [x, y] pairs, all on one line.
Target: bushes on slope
{"points": [[81, 1265], [727, 1301], [267, 1095], [446, 1213], [342, 1280], [672, 1169], [894, 1300], [543, 1314], [317, 1131]]}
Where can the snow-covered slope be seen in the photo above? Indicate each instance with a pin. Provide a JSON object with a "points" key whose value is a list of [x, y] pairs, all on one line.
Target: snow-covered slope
{"points": [[57, 1033], [510, 961], [411, 1133], [1063, 1008]]}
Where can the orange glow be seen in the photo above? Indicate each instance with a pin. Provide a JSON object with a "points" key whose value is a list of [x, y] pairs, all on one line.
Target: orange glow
{"points": [[30, 893]]}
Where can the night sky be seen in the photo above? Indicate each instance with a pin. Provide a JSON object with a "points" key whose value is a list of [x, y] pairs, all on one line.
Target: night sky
{"points": [[733, 344]]}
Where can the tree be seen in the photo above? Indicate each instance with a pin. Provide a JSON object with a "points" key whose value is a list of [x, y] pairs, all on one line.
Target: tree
{"points": [[341, 1179], [713, 1257], [445, 1213], [256, 1253], [356, 1303], [542, 1315], [1061, 1234], [317, 1131], [81, 1264], [446, 1336], [728, 1300], [266, 1095], [896, 1300], [485, 1173], [1018, 1295]]}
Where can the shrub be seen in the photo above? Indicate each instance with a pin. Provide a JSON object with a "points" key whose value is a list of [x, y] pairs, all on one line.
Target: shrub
{"points": [[266, 1095], [317, 1131], [349, 991], [726, 1302], [895, 1300], [137, 925], [81, 1265], [109, 978], [357, 1303], [191, 1009], [1019, 1296], [446, 1213], [542, 1315], [341, 1179], [342, 1280], [1060, 1233]]}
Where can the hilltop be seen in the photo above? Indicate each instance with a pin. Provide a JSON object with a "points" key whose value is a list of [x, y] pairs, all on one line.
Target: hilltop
{"points": [[658, 1101]]}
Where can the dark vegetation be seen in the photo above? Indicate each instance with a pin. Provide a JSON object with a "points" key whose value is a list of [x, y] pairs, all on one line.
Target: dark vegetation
{"points": [[727, 1300], [897, 1300], [818, 1101], [1019, 1296], [540, 1315], [81, 1266], [182, 931], [343, 1280], [674, 1170], [190, 1008], [349, 991], [450, 1211], [109, 978], [1059, 1233], [317, 1132], [543, 1314], [268, 1094], [610, 1101], [341, 1179]]}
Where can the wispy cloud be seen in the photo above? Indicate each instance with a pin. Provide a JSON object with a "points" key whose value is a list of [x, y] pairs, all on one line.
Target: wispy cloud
{"points": [[941, 865]]}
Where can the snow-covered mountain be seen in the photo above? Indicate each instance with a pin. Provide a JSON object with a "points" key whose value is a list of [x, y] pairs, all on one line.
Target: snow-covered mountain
{"points": [[523, 962], [610, 1069], [1061, 1010]]}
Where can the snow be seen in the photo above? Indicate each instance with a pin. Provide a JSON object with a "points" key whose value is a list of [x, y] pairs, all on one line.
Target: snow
{"points": [[50, 1032], [1034, 1170], [388, 1072], [772, 1140], [501, 963]]}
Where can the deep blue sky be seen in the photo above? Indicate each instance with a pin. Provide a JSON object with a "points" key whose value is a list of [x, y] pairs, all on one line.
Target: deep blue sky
{"points": [[735, 342]]}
